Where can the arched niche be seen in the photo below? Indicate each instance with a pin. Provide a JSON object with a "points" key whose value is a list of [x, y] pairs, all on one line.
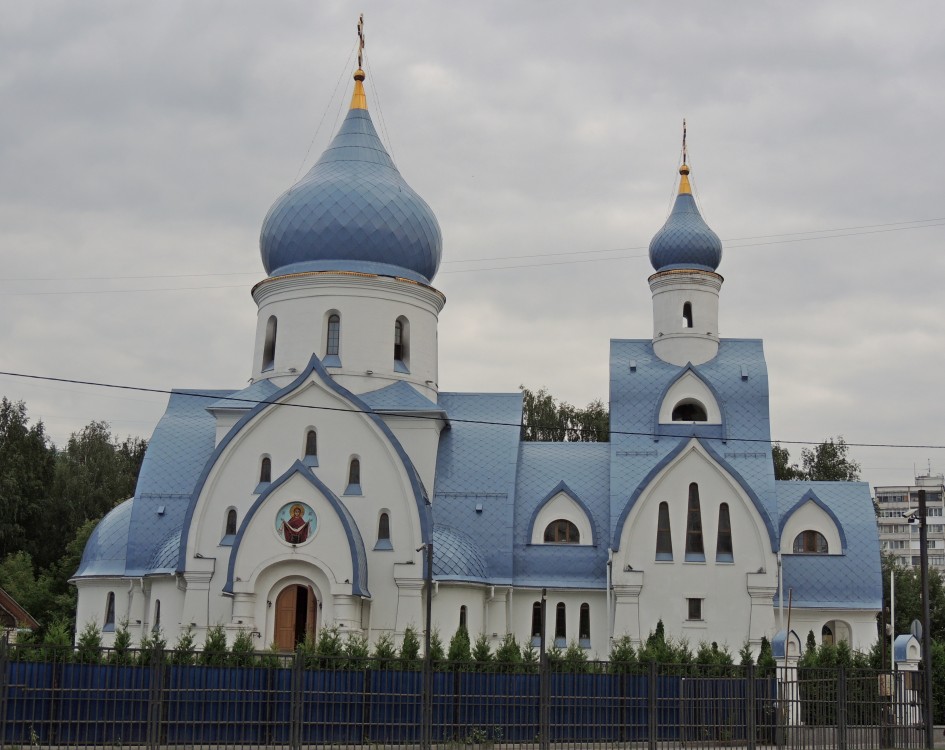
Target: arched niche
{"points": [[561, 503], [690, 389]]}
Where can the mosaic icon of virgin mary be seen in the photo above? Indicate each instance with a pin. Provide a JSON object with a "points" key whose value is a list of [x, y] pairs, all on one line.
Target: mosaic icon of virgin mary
{"points": [[296, 522]]}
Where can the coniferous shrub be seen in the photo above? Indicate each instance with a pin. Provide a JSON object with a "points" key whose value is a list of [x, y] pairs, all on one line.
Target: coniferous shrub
{"points": [[410, 649], [508, 656], [184, 652], [623, 656], [215, 651], [89, 646], [152, 648], [121, 647], [459, 654], [745, 656], [385, 652], [357, 652], [243, 650], [482, 653]]}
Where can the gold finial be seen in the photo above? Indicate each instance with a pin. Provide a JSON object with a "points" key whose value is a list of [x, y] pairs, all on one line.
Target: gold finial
{"points": [[684, 187], [358, 98]]}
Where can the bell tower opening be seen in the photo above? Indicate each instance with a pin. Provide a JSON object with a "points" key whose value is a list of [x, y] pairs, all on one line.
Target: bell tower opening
{"points": [[296, 616]]}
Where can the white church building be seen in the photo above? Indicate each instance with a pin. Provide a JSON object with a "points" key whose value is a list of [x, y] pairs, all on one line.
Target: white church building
{"points": [[305, 500]]}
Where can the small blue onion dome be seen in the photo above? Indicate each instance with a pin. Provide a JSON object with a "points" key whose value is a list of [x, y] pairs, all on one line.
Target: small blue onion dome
{"points": [[352, 212], [685, 241]]}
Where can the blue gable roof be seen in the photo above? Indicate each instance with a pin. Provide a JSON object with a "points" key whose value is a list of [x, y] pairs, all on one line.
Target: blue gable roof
{"points": [[852, 580]]}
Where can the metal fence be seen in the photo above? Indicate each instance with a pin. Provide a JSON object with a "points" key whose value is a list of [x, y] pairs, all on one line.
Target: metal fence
{"points": [[52, 698]]}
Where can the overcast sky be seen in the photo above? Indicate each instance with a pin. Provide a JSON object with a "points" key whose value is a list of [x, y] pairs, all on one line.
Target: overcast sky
{"points": [[141, 145]]}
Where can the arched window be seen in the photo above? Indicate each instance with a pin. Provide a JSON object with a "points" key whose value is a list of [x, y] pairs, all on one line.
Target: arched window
{"points": [[664, 537], [810, 542], [562, 531], [230, 523], [311, 448], [723, 546], [156, 627], [109, 624], [687, 315], [354, 477], [695, 549], [398, 339], [561, 627], [826, 635], [689, 410], [333, 344], [383, 527], [584, 626], [265, 470], [536, 624], [269, 347], [462, 617]]}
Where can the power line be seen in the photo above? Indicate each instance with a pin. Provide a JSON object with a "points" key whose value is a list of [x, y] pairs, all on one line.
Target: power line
{"points": [[896, 226], [256, 402]]}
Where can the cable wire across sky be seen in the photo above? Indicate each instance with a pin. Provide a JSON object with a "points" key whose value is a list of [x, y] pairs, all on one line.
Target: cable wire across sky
{"points": [[257, 402]]}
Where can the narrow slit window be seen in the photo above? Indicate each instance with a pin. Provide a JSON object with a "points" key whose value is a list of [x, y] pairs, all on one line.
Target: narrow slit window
{"points": [[695, 549], [311, 444], [265, 470], [399, 340], [269, 347], [664, 536], [584, 626], [687, 315], [334, 335], [561, 627], [383, 527], [462, 617], [723, 547], [109, 623], [695, 609], [230, 529], [354, 472], [536, 623], [156, 627]]}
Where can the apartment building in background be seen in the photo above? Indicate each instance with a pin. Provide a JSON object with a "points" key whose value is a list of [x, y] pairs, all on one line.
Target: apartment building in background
{"points": [[899, 537]]}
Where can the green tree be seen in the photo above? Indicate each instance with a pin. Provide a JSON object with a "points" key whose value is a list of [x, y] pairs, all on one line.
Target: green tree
{"points": [[545, 419], [830, 462], [482, 652], [410, 649], [27, 461], [783, 468], [459, 653]]}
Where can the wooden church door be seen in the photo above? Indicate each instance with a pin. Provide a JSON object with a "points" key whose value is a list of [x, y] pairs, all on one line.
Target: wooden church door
{"points": [[296, 613]]}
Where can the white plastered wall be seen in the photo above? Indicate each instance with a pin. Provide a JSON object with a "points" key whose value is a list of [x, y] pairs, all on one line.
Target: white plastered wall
{"points": [[736, 596], [690, 387], [811, 516], [562, 506], [279, 432], [368, 307], [672, 341]]}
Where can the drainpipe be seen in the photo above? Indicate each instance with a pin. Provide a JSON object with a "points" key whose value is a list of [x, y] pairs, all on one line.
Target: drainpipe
{"points": [[610, 622]]}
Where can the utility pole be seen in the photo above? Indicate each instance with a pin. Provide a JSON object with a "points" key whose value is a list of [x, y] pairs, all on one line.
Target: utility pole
{"points": [[926, 620], [426, 731]]}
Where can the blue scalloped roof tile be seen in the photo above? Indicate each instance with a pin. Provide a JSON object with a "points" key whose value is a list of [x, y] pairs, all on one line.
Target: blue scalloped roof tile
{"points": [[852, 580], [457, 557], [399, 396]]}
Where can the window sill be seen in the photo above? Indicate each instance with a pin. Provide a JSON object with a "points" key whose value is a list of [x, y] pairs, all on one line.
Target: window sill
{"points": [[694, 558], [561, 642], [353, 489], [310, 461], [227, 540], [399, 366], [383, 544], [664, 557], [726, 559], [331, 360], [261, 487], [584, 642], [108, 628], [536, 641]]}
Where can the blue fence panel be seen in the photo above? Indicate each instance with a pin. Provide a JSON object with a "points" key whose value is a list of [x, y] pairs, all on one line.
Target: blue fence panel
{"points": [[29, 702], [396, 707], [333, 706], [583, 707], [219, 704], [101, 704]]}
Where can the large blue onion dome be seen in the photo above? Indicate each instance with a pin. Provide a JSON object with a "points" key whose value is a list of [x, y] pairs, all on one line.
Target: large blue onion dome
{"points": [[352, 212], [685, 241]]}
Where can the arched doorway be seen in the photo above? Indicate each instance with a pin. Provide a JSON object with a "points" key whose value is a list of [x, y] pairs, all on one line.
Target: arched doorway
{"points": [[296, 616]]}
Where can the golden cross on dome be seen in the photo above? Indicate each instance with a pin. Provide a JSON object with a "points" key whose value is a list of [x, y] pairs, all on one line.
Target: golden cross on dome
{"points": [[684, 141]]}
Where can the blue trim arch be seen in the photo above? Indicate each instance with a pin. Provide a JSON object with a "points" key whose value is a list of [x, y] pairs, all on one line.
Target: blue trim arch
{"points": [[698, 429], [561, 487], [669, 458], [811, 496], [359, 584], [314, 365]]}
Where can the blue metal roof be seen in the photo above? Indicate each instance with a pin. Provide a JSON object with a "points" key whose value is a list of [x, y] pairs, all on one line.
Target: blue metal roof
{"points": [[352, 212], [852, 580], [456, 557], [685, 240], [399, 397], [639, 446], [476, 466]]}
